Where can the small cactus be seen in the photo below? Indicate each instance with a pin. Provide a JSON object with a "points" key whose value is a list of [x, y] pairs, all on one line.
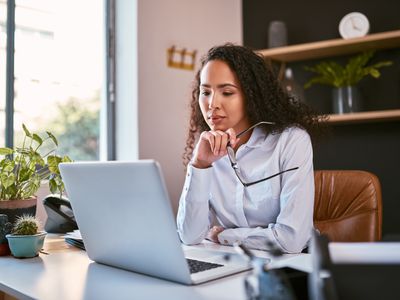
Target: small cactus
{"points": [[25, 225]]}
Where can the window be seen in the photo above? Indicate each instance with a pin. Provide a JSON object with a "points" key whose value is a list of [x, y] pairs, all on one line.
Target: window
{"points": [[59, 72]]}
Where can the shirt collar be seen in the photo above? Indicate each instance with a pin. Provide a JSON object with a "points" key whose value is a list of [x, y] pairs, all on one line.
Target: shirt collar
{"points": [[257, 138]]}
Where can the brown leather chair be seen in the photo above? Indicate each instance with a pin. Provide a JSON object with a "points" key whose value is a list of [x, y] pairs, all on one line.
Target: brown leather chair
{"points": [[348, 205]]}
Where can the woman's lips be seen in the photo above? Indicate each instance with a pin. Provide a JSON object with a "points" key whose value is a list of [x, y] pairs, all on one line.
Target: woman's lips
{"points": [[216, 119]]}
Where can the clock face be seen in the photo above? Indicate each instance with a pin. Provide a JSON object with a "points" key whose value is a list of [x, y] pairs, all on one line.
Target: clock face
{"points": [[353, 25]]}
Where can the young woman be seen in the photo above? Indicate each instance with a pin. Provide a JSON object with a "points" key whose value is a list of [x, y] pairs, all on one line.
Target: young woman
{"points": [[250, 175]]}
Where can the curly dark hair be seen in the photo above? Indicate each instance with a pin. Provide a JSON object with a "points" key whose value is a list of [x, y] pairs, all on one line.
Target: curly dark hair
{"points": [[265, 99]]}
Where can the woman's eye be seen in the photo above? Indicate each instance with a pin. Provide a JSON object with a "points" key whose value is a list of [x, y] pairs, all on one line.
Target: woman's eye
{"points": [[227, 93], [205, 93]]}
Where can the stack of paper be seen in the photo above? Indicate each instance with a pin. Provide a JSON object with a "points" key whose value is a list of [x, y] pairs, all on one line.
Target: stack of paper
{"points": [[74, 238]]}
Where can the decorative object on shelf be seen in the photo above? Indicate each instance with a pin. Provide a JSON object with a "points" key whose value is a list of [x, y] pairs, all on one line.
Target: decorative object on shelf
{"points": [[178, 58], [291, 86], [346, 99], [23, 169], [345, 79], [25, 239], [5, 228], [277, 34], [353, 25]]}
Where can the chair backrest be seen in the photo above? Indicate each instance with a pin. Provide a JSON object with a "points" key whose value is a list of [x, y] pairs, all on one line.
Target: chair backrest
{"points": [[348, 205]]}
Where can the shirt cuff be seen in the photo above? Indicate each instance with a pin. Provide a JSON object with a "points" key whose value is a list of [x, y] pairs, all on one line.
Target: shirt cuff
{"points": [[197, 182], [230, 237]]}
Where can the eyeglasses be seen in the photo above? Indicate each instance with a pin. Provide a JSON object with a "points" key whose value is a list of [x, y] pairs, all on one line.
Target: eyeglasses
{"points": [[234, 163]]}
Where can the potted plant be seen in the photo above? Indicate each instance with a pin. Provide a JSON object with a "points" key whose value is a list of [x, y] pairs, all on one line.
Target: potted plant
{"points": [[23, 169], [5, 228], [344, 79], [25, 239]]}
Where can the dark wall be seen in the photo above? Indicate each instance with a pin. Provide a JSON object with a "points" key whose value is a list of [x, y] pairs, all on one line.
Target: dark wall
{"points": [[313, 20], [374, 147]]}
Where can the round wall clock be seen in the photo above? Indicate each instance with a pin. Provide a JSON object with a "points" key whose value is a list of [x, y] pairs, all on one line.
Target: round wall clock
{"points": [[353, 25]]}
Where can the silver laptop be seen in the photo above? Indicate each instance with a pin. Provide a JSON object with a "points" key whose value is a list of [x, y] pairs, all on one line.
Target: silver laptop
{"points": [[126, 221]]}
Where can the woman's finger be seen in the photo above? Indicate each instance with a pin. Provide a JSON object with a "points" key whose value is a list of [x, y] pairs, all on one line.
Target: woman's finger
{"points": [[232, 136], [212, 234], [206, 135], [224, 143], [218, 229], [218, 140]]}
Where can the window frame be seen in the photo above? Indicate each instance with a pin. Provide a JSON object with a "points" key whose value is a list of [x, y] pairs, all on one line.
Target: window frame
{"points": [[9, 108], [109, 106]]}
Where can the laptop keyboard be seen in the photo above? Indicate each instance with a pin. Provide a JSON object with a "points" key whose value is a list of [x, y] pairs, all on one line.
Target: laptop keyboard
{"points": [[196, 266]]}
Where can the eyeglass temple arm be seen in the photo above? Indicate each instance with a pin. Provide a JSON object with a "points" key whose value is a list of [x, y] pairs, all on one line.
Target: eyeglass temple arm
{"points": [[251, 127], [272, 176]]}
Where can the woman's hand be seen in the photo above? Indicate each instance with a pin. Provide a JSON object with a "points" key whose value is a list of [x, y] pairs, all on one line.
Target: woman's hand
{"points": [[212, 146], [212, 234]]}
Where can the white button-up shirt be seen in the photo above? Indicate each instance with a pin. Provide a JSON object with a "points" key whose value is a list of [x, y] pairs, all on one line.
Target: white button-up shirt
{"points": [[279, 210]]}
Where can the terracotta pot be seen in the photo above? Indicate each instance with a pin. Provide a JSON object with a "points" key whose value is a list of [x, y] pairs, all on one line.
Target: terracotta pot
{"points": [[4, 249], [16, 208]]}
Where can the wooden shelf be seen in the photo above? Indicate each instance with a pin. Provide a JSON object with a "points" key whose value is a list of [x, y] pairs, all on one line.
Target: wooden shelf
{"points": [[364, 117], [336, 47]]}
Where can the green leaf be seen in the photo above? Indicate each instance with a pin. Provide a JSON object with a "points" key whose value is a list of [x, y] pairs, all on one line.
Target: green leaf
{"points": [[333, 74], [6, 151], [27, 133], [66, 159], [24, 151], [12, 192], [26, 173], [7, 179], [52, 162], [50, 135], [8, 167], [320, 80], [30, 186], [37, 159], [53, 186], [374, 73], [381, 64], [37, 138]]}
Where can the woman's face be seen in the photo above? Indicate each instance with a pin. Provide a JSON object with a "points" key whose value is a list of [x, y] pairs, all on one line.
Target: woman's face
{"points": [[221, 98]]}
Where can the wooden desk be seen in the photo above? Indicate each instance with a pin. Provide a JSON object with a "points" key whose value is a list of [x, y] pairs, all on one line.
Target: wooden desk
{"points": [[67, 273]]}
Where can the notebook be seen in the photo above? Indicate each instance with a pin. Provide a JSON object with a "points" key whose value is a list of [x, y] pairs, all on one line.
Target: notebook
{"points": [[126, 220]]}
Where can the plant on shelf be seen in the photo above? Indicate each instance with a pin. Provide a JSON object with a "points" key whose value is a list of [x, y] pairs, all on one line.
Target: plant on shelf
{"points": [[333, 74], [344, 79], [25, 239], [24, 168]]}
